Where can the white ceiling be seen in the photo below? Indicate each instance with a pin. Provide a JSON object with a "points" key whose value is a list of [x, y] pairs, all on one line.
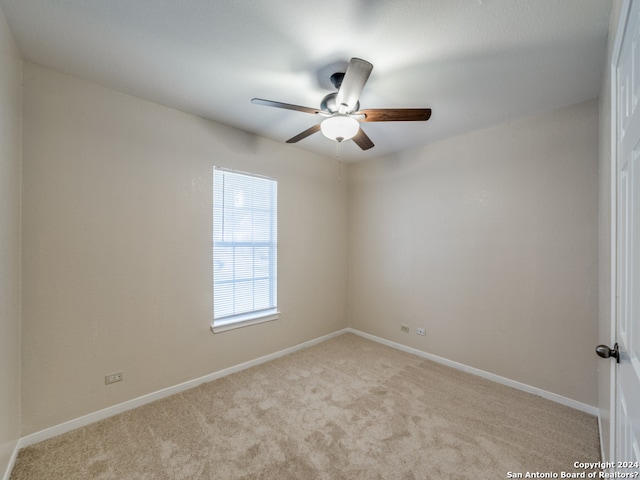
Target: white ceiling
{"points": [[476, 63]]}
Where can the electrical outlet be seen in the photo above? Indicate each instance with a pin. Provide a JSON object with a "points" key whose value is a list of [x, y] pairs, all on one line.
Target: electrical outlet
{"points": [[112, 378], [421, 331], [404, 328]]}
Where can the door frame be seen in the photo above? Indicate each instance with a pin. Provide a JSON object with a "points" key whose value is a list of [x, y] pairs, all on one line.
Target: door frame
{"points": [[620, 27]]}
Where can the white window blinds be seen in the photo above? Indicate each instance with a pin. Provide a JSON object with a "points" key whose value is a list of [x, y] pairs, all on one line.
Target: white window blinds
{"points": [[244, 247]]}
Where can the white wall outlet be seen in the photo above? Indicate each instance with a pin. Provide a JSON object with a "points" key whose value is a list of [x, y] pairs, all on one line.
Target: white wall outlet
{"points": [[421, 331], [404, 328], [112, 378]]}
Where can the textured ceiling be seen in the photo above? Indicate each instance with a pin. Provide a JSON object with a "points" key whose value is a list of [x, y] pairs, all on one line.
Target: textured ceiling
{"points": [[476, 63]]}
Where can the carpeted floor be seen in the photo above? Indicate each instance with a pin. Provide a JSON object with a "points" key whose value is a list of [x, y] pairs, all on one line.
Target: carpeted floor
{"points": [[348, 408]]}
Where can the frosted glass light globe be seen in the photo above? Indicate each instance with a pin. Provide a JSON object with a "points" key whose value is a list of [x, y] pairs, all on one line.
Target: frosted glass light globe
{"points": [[339, 128]]}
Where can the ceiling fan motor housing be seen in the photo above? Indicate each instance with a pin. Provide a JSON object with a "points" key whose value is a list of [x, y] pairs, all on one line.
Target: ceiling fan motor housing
{"points": [[329, 104]]}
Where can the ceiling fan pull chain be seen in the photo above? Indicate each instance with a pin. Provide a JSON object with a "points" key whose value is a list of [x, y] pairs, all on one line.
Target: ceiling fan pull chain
{"points": [[338, 160]]}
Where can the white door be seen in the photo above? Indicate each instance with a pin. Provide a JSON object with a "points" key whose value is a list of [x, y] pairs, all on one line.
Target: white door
{"points": [[628, 225]]}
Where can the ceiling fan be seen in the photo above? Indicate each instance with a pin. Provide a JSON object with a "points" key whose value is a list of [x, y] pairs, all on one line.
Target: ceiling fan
{"points": [[342, 112]]}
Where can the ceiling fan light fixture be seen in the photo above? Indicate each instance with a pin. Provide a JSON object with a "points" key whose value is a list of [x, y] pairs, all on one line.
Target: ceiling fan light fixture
{"points": [[339, 128], [341, 109]]}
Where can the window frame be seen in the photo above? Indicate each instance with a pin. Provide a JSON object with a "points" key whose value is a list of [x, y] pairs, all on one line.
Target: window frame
{"points": [[253, 317]]}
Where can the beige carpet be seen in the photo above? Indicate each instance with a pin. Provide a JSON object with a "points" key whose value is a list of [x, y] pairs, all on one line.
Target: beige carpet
{"points": [[348, 408]]}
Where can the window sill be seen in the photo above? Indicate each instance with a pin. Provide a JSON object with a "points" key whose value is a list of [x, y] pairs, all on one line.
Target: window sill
{"points": [[244, 321]]}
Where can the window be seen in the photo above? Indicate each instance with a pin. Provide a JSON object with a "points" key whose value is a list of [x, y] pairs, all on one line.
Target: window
{"points": [[244, 249]]}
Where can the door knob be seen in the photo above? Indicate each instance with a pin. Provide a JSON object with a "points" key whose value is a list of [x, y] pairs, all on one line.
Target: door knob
{"points": [[605, 352]]}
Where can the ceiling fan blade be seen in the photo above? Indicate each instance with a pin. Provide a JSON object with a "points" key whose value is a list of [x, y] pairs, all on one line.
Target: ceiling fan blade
{"points": [[288, 106], [362, 140], [305, 134], [395, 114], [353, 82]]}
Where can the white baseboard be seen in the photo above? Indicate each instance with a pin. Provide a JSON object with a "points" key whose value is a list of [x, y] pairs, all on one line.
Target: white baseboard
{"points": [[481, 373], [12, 461], [145, 399], [152, 397]]}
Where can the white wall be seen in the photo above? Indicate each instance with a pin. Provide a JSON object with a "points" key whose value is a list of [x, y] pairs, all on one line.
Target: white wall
{"points": [[10, 124], [489, 241], [117, 247]]}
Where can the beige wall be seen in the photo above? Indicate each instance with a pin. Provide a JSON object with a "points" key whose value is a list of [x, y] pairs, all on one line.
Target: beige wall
{"points": [[10, 124], [117, 247], [489, 241]]}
